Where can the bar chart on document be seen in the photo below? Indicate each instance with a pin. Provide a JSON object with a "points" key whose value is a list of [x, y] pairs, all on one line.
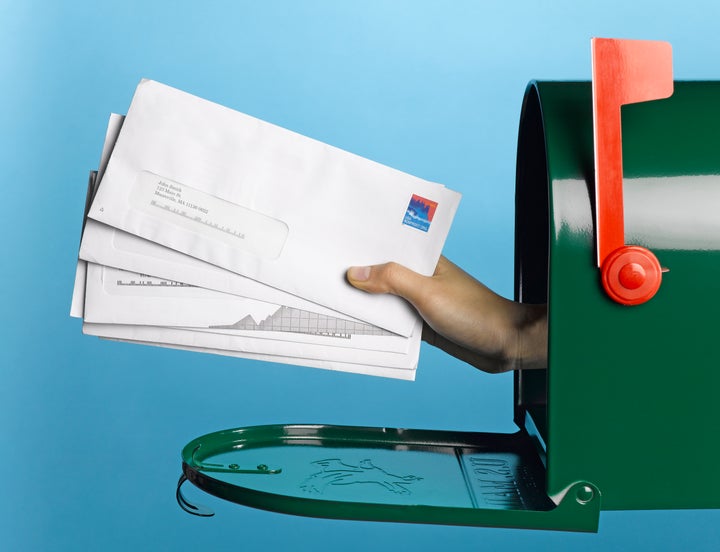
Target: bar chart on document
{"points": [[289, 319], [284, 319]]}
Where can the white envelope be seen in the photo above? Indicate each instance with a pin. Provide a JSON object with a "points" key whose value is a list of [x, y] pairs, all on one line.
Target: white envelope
{"points": [[108, 246], [270, 204]]}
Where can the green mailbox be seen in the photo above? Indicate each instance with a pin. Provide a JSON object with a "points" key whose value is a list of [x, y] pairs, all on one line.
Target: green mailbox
{"points": [[623, 418]]}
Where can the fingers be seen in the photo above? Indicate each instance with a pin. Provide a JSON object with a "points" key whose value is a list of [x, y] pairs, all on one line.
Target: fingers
{"points": [[388, 278]]}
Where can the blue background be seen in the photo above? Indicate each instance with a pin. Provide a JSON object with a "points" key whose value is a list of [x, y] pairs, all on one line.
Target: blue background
{"points": [[92, 430]]}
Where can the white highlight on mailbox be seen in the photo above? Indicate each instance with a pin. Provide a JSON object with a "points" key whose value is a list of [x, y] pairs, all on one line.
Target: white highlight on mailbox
{"points": [[675, 212]]}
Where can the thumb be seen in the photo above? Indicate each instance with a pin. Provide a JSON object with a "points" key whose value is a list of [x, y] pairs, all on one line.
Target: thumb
{"points": [[387, 278]]}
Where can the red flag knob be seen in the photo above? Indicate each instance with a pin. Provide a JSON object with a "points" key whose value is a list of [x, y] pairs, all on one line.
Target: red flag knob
{"points": [[631, 275]]}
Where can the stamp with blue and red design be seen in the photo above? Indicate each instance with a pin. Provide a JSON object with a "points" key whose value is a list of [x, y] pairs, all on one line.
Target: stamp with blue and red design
{"points": [[420, 213]]}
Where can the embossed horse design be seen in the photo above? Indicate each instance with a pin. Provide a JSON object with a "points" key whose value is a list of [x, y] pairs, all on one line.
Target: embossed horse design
{"points": [[336, 472]]}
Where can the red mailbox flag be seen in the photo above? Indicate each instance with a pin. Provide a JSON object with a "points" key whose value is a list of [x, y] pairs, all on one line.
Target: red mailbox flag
{"points": [[624, 72]]}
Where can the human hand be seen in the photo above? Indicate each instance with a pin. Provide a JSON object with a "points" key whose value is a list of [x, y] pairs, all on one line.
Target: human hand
{"points": [[463, 317]]}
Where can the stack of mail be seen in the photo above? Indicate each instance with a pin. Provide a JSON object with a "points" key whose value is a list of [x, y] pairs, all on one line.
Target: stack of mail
{"points": [[209, 230]]}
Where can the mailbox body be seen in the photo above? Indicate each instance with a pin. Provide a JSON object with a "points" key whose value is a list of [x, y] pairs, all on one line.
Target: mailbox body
{"points": [[629, 398]]}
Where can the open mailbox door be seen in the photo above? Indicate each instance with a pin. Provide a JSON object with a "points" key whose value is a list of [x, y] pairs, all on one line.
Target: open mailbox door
{"points": [[385, 474], [623, 417]]}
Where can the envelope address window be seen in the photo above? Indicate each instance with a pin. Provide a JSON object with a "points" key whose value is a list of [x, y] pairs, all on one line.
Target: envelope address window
{"points": [[208, 215]]}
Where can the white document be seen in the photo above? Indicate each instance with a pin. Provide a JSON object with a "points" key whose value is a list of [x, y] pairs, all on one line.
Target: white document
{"points": [[116, 296], [352, 359], [323, 344], [269, 204], [380, 371]]}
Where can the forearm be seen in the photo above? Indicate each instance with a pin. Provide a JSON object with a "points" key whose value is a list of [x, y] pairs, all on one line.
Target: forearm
{"points": [[532, 337], [520, 343]]}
